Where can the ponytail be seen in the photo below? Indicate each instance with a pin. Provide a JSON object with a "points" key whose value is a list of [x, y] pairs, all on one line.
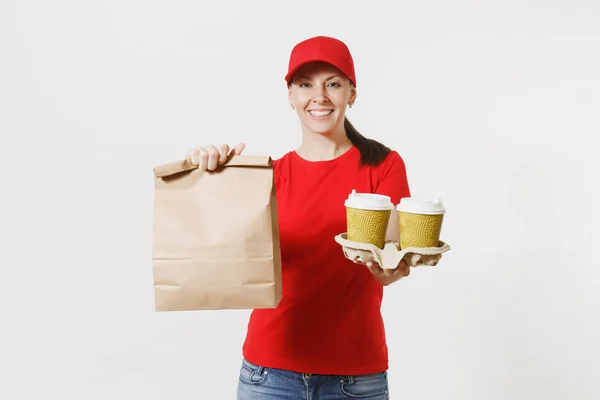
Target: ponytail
{"points": [[371, 151]]}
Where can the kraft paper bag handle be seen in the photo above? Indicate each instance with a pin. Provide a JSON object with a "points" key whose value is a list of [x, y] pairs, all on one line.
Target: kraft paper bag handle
{"points": [[176, 167]]}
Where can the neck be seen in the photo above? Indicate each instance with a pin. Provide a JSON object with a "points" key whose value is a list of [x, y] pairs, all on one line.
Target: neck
{"points": [[323, 146]]}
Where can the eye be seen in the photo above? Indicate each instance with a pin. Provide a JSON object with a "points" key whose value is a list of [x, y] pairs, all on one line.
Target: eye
{"points": [[304, 85], [335, 84]]}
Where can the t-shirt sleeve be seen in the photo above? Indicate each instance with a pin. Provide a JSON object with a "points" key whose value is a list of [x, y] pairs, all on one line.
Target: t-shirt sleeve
{"points": [[279, 169], [391, 179]]}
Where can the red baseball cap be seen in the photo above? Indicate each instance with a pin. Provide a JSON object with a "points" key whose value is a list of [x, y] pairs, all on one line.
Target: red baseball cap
{"points": [[322, 48]]}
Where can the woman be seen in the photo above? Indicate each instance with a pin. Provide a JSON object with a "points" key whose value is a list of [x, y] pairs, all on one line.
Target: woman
{"points": [[326, 338]]}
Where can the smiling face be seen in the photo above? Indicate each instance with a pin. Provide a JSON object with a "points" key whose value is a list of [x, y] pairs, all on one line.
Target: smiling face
{"points": [[320, 93]]}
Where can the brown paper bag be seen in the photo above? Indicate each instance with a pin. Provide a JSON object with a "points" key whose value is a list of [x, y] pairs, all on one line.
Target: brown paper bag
{"points": [[216, 236]]}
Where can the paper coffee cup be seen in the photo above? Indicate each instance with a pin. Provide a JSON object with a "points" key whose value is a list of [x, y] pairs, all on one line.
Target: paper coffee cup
{"points": [[420, 222], [367, 217]]}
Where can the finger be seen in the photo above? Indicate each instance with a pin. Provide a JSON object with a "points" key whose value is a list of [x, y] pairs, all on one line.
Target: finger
{"points": [[402, 266], [213, 157], [193, 154], [237, 150], [374, 268], [406, 267], [377, 270], [405, 271], [401, 270], [223, 152], [202, 158]]}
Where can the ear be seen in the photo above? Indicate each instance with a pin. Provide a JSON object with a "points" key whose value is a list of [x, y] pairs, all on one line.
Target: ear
{"points": [[290, 94], [353, 95]]}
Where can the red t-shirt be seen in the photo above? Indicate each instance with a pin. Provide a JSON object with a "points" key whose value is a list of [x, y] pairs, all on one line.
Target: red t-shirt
{"points": [[329, 319]]}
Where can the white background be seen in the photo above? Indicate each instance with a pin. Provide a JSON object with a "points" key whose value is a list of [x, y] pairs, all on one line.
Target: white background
{"points": [[492, 104]]}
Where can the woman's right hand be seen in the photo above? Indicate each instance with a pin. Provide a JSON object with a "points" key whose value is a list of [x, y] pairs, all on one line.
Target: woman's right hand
{"points": [[210, 157]]}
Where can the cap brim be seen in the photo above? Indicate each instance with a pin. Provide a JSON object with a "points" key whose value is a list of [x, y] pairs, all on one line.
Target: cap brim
{"points": [[291, 73]]}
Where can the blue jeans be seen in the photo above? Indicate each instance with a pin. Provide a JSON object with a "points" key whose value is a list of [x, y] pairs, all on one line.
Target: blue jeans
{"points": [[260, 383]]}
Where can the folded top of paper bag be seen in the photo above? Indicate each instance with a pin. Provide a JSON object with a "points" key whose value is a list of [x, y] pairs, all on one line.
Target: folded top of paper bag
{"points": [[176, 167]]}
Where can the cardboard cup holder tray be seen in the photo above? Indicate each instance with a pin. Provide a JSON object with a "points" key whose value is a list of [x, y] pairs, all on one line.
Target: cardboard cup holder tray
{"points": [[390, 256]]}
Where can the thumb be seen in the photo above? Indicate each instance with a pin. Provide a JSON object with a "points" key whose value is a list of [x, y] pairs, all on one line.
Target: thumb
{"points": [[237, 150]]}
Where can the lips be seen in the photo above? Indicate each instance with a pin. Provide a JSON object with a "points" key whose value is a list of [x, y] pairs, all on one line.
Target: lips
{"points": [[320, 113]]}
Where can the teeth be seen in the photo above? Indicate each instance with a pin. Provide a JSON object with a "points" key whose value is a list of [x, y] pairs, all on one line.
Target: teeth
{"points": [[320, 113]]}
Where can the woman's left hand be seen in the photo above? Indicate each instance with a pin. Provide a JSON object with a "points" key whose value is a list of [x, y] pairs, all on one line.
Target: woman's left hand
{"points": [[389, 276]]}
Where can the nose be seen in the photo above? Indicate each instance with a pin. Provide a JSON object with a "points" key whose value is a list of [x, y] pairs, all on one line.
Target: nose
{"points": [[320, 95]]}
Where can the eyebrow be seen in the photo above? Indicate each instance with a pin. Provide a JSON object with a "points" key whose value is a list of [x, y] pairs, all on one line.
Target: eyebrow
{"points": [[308, 79]]}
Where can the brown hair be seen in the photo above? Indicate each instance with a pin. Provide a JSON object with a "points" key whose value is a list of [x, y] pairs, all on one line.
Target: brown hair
{"points": [[371, 151]]}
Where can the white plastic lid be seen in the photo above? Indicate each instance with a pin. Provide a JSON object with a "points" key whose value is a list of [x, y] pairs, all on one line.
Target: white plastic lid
{"points": [[369, 201], [416, 206]]}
